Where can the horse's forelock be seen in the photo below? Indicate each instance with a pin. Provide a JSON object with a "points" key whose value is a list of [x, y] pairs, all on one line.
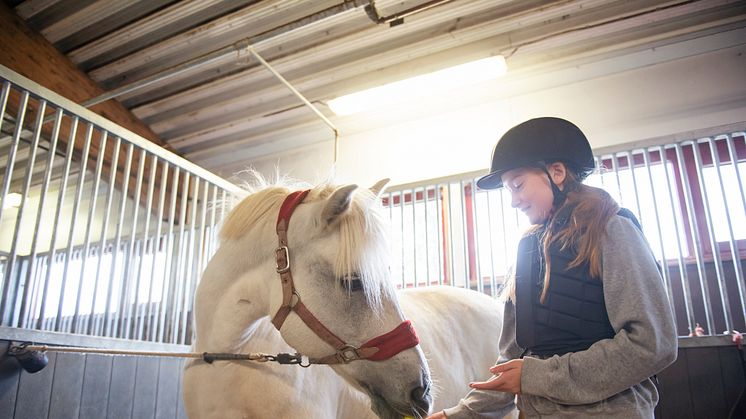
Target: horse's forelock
{"points": [[363, 247]]}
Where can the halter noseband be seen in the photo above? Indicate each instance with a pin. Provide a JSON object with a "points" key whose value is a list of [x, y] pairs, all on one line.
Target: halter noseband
{"points": [[377, 349]]}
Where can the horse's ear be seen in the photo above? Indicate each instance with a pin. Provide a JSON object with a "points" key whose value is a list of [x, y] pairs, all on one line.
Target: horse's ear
{"points": [[379, 186], [337, 203]]}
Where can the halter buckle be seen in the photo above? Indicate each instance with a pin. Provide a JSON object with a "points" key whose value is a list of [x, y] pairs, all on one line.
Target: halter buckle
{"points": [[282, 254], [348, 353]]}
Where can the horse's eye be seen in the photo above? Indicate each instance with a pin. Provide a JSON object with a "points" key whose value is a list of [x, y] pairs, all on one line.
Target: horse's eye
{"points": [[352, 282]]}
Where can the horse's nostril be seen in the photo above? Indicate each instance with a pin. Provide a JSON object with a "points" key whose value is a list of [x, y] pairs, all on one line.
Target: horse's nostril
{"points": [[421, 398]]}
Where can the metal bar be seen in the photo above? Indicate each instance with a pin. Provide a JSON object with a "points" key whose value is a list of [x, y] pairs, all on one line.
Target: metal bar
{"points": [[715, 248], [697, 245], [615, 163], [116, 249], [191, 233], [3, 102], [201, 256], [179, 261], [102, 238], [439, 214], [413, 191], [493, 282], [664, 261], [403, 259], [60, 202], [11, 301], [113, 129], [474, 214], [166, 288], [126, 308], [152, 314], [683, 275], [39, 214], [305, 101], [213, 213], [143, 252], [73, 221], [464, 234], [631, 163], [733, 247], [426, 200], [88, 228], [8, 275]]}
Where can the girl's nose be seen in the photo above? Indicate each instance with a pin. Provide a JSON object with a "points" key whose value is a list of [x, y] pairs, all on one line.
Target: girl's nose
{"points": [[514, 201]]}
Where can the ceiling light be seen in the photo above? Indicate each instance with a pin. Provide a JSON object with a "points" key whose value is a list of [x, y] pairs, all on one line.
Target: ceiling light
{"points": [[420, 86], [12, 200]]}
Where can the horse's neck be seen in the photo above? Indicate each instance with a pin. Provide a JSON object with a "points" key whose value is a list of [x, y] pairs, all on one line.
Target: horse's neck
{"points": [[232, 295]]}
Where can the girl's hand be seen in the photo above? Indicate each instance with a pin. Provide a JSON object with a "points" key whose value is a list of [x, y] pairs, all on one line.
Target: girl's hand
{"points": [[439, 415], [507, 378]]}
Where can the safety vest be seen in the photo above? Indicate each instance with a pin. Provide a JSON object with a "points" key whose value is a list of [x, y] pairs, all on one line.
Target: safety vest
{"points": [[573, 315]]}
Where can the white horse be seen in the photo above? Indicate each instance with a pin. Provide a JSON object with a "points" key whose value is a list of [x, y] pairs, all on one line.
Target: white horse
{"points": [[338, 257]]}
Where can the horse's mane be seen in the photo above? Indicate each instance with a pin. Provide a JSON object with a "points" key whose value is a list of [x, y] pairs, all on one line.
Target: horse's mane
{"points": [[363, 244]]}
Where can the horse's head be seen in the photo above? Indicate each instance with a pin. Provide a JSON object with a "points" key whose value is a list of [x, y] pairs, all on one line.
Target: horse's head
{"points": [[339, 263]]}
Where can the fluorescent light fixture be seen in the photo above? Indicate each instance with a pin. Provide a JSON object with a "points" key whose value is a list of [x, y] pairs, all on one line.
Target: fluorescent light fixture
{"points": [[12, 200], [420, 86]]}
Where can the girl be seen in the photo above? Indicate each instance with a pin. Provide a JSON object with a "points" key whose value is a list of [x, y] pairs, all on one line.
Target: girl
{"points": [[587, 321]]}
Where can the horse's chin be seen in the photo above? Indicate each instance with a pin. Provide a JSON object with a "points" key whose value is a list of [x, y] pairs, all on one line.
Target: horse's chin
{"points": [[386, 410]]}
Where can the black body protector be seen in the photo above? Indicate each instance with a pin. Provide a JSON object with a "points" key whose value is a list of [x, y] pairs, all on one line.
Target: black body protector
{"points": [[573, 316]]}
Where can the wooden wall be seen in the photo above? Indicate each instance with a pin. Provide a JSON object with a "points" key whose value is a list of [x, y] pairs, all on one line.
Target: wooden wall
{"points": [[92, 386]]}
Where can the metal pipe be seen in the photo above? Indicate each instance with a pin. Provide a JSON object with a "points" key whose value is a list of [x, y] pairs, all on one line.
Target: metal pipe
{"points": [[305, 101], [55, 223], [464, 234], [439, 214], [7, 276], [126, 307], [116, 250], [474, 215], [693, 229], [683, 275], [42, 203], [398, 18], [11, 278], [179, 261], [166, 288], [493, 282], [153, 314], [413, 191], [188, 279], [426, 199], [715, 248], [144, 250], [73, 222], [102, 238], [735, 255], [4, 102], [89, 224], [664, 261]]}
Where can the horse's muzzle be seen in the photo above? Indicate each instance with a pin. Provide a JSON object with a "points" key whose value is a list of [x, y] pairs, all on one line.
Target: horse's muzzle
{"points": [[421, 400]]}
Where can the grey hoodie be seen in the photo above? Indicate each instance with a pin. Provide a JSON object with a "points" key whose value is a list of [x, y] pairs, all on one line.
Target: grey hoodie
{"points": [[611, 379]]}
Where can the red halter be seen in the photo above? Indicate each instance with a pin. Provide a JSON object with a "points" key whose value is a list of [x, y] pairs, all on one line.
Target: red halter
{"points": [[377, 349]]}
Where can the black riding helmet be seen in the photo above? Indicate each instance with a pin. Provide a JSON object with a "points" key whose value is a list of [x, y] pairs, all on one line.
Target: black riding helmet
{"points": [[538, 142]]}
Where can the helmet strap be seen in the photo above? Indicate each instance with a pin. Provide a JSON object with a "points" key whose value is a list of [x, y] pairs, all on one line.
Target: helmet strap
{"points": [[559, 194]]}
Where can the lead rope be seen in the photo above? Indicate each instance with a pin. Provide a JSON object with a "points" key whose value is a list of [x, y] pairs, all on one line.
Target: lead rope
{"points": [[27, 350]]}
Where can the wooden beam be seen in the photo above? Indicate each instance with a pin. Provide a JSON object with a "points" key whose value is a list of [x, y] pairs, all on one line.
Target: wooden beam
{"points": [[28, 53]]}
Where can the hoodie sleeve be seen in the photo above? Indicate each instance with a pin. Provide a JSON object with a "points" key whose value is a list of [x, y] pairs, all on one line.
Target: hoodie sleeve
{"points": [[640, 313], [492, 404]]}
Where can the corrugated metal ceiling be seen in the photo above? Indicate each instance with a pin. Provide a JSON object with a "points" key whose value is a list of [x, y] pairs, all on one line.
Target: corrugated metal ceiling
{"points": [[327, 48]]}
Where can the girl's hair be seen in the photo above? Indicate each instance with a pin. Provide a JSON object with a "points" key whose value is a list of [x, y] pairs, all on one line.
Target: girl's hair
{"points": [[590, 210]]}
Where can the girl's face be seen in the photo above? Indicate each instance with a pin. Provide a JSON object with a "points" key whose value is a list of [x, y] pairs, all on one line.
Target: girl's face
{"points": [[531, 191]]}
